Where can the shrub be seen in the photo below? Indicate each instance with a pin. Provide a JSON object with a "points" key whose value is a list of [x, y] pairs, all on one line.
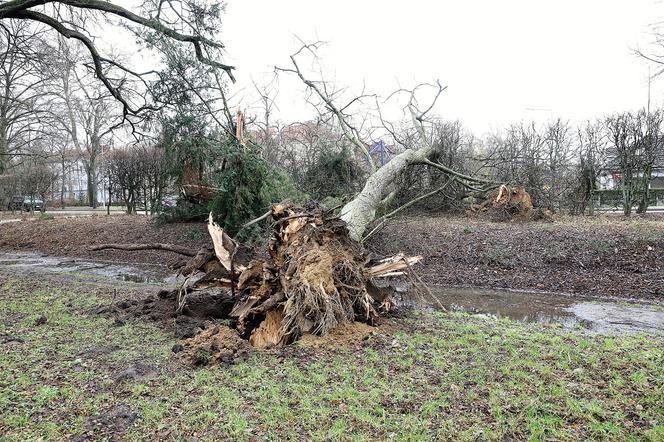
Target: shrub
{"points": [[334, 174], [246, 187]]}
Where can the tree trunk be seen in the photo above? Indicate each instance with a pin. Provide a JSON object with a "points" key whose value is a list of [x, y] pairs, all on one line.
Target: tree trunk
{"points": [[108, 206], [62, 184], [645, 194], [359, 212], [4, 146], [91, 187], [627, 191]]}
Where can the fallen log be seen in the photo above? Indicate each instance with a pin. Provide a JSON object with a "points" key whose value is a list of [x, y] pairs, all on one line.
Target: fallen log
{"points": [[157, 246]]}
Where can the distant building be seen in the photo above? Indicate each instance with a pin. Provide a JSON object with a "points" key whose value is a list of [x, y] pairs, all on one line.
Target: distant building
{"points": [[610, 179], [73, 184]]}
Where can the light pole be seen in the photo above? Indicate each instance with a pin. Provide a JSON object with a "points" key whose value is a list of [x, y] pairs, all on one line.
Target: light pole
{"points": [[103, 182]]}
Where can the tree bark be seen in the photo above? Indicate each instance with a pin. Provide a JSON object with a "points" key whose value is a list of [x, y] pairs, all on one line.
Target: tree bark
{"points": [[359, 212], [157, 246], [645, 193]]}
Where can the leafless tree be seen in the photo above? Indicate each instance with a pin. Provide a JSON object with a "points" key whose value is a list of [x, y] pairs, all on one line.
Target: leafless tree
{"points": [[324, 92], [649, 137], [138, 175], [517, 156], [36, 179], [24, 79], [186, 22], [124, 172], [591, 152], [86, 113], [417, 145], [151, 161], [557, 153], [624, 156]]}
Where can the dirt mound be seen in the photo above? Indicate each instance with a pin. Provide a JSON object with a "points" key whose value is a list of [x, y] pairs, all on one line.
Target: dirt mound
{"points": [[202, 311], [340, 336], [505, 203], [217, 345]]}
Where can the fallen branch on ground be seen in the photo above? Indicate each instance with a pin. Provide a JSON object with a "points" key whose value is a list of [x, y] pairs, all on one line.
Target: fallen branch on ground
{"points": [[157, 246]]}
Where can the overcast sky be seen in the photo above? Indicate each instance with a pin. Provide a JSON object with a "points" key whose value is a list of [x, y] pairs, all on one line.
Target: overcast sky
{"points": [[503, 61]]}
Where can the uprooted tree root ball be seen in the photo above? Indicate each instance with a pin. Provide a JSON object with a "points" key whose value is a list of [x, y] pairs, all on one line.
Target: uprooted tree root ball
{"points": [[316, 279], [509, 203]]}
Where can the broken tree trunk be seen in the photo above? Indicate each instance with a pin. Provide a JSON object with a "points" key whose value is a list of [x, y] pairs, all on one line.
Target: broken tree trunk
{"points": [[505, 203], [361, 211]]}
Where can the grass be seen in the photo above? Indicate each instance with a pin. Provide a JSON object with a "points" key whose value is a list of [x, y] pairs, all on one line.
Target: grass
{"points": [[444, 376]]}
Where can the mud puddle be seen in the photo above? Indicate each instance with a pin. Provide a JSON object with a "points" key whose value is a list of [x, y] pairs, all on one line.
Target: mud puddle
{"points": [[597, 315], [30, 262]]}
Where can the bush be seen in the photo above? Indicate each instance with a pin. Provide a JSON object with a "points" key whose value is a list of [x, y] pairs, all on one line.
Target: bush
{"points": [[247, 186], [334, 174]]}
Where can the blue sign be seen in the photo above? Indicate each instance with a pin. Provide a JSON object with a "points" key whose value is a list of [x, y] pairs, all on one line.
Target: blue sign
{"points": [[378, 146]]}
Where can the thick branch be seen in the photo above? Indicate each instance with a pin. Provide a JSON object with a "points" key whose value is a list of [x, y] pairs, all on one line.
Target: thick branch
{"points": [[349, 131], [96, 57], [383, 219], [134, 247], [455, 173], [14, 8]]}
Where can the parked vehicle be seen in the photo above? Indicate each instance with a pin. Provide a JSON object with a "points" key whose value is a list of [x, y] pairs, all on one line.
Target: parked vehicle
{"points": [[169, 201], [34, 204], [26, 203], [15, 203]]}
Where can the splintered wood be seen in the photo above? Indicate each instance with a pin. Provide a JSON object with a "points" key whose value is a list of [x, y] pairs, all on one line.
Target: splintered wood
{"points": [[393, 266], [316, 278], [224, 246]]}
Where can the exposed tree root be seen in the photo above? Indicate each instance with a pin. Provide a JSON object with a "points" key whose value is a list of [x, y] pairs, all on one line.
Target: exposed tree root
{"points": [[504, 204], [316, 278]]}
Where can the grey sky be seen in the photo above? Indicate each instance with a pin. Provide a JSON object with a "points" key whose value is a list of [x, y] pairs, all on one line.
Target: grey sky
{"points": [[574, 59]]}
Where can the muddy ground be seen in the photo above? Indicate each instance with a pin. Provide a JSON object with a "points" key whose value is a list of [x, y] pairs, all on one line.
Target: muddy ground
{"points": [[73, 236], [601, 256]]}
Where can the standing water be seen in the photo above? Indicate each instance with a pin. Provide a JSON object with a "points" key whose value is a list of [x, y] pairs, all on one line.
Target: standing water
{"points": [[599, 315]]}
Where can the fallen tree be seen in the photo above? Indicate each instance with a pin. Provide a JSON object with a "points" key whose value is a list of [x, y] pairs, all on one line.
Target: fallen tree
{"points": [[505, 203], [314, 279], [360, 212]]}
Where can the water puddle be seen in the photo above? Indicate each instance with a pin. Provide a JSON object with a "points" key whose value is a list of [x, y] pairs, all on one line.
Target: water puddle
{"points": [[597, 315], [32, 262]]}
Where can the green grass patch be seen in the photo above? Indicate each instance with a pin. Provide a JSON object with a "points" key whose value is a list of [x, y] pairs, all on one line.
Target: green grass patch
{"points": [[445, 376]]}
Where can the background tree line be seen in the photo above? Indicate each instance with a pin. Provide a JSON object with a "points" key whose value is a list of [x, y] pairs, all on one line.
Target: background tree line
{"points": [[57, 118]]}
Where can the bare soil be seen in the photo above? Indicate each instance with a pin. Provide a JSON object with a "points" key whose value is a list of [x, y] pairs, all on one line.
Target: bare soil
{"points": [[73, 237], [601, 256]]}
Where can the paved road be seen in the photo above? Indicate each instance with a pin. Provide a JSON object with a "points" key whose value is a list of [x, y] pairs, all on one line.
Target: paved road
{"points": [[82, 212], [651, 209], [67, 212]]}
